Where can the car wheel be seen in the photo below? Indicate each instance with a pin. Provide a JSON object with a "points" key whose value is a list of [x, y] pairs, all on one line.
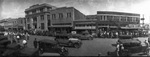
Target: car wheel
{"points": [[77, 45], [65, 53]]}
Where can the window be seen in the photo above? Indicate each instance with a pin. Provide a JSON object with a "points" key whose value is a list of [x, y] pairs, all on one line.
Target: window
{"points": [[35, 25], [42, 25], [116, 18], [34, 19], [41, 10], [28, 26], [49, 22], [42, 17], [60, 15], [53, 16], [123, 18], [68, 14], [129, 19], [21, 21], [48, 16], [28, 19], [105, 18]]}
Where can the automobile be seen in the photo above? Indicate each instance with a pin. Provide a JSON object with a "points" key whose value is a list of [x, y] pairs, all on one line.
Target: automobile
{"points": [[129, 41], [11, 50], [51, 46], [28, 52], [66, 40], [83, 36]]}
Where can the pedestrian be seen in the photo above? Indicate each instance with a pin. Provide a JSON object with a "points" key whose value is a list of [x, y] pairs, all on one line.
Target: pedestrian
{"points": [[147, 47], [24, 43], [35, 42], [27, 36], [117, 49]]}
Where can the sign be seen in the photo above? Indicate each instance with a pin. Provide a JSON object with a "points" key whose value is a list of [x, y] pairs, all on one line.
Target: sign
{"points": [[88, 27]]}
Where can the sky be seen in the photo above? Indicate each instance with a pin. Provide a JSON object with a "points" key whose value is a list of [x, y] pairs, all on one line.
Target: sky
{"points": [[16, 8]]}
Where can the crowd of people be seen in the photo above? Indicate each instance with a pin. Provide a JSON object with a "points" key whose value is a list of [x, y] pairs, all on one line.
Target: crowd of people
{"points": [[17, 37]]}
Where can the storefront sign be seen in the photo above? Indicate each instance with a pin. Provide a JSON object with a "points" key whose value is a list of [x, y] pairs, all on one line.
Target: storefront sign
{"points": [[89, 27]]}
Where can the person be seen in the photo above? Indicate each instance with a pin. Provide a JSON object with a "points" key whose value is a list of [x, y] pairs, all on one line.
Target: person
{"points": [[117, 48], [27, 36], [35, 43], [24, 43], [149, 39], [147, 47]]}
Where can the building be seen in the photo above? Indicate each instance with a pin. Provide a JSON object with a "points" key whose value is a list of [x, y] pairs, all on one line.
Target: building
{"points": [[36, 16], [14, 24], [46, 17], [108, 21], [62, 19]]}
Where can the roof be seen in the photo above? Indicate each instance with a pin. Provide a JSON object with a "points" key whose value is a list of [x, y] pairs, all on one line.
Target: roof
{"points": [[117, 13], [38, 6], [29, 51], [48, 41]]}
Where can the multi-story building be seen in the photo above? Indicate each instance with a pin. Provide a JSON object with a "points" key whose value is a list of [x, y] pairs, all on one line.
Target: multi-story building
{"points": [[62, 18], [109, 21], [36, 16], [15, 24], [48, 17]]}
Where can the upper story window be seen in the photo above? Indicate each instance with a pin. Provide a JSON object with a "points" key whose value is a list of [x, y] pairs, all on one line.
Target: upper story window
{"points": [[48, 16], [129, 19], [68, 14], [60, 15], [137, 19], [123, 18], [28, 19], [34, 11], [109, 18], [49, 8], [116, 18], [42, 17], [21, 21], [53, 16], [34, 19], [41, 10]]}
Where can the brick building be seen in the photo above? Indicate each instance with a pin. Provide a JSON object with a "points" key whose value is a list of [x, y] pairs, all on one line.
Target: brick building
{"points": [[62, 19]]}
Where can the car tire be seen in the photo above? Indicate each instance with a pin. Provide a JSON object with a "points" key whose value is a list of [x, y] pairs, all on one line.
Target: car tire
{"points": [[77, 45]]}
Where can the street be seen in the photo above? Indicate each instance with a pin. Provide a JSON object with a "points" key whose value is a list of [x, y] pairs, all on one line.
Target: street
{"points": [[88, 48]]}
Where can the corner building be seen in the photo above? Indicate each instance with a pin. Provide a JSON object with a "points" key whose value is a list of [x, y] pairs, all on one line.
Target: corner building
{"points": [[37, 17]]}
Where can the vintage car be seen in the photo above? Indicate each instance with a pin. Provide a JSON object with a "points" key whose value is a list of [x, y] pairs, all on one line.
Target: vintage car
{"points": [[11, 50], [83, 37], [128, 41], [51, 46], [28, 52], [66, 40]]}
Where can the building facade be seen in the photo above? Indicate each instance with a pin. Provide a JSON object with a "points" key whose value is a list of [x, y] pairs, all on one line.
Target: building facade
{"points": [[62, 19], [107, 21], [46, 17], [36, 16], [13, 24]]}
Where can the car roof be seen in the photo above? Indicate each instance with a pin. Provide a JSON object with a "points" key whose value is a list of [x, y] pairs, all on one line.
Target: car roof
{"points": [[125, 36], [48, 41]]}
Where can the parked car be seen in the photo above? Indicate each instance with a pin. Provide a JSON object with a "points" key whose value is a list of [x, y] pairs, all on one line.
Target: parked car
{"points": [[52, 46], [128, 41], [83, 37], [66, 40], [28, 52]]}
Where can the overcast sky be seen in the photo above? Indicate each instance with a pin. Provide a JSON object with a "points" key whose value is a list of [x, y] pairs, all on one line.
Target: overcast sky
{"points": [[15, 8]]}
